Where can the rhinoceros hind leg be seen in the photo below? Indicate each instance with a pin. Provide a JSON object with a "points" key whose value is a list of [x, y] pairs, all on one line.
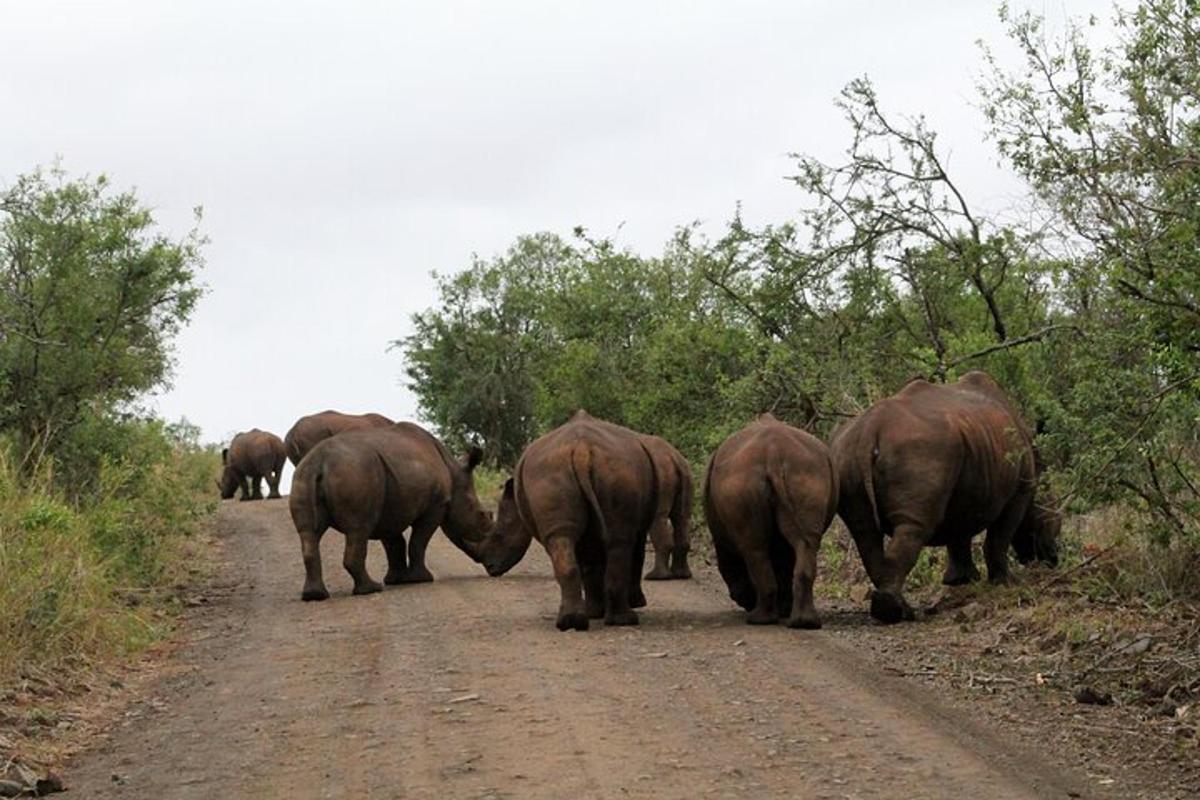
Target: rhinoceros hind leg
{"points": [[661, 571], [661, 540], [619, 580], [593, 590], [680, 570], [571, 612], [766, 588], [314, 583]]}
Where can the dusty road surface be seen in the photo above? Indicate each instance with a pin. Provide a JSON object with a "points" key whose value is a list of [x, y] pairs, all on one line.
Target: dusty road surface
{"points": [[463, 689]]}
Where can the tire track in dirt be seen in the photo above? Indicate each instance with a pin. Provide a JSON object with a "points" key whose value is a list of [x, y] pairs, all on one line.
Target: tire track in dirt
{"points": [[462, 688]]}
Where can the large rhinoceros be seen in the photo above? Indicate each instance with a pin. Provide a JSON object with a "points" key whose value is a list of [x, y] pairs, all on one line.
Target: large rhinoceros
{"points": [[770, 493], [373, 484], [588, 492], [672, 523], [250, 457], [933, 465], [309, 431]]}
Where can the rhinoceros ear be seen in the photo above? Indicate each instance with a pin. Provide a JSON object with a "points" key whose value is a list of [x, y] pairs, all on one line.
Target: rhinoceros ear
{"points": [[474, 456], [225, 456], [508, 488]]}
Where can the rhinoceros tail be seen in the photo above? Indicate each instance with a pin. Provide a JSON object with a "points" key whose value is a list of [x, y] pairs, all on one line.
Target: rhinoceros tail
{"points": [[306, 502], [866, 468], [581, 465]]}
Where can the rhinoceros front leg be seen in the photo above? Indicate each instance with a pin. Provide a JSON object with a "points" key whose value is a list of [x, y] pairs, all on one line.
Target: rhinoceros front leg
{"points": [[418, 540], [396, 549], [999, 539], [354, 559], [637, 598], [960, 565], [273, 484]]}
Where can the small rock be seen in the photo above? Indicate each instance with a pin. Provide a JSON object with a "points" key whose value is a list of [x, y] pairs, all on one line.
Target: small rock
{"points": [[861, 593], [51, 784], [659, 654], [1136, 647], [466, 698], [971, 612], [1088, 695], [1052, 642]]}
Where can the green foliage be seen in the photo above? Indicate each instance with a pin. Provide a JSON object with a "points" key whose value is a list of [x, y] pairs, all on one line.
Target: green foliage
{"points": [[90, 299], [520, 343], [76, 575], [1089, 314]]}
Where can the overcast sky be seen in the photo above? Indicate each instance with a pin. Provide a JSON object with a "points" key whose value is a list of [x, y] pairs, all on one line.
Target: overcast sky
{"points": [[343, 150]]}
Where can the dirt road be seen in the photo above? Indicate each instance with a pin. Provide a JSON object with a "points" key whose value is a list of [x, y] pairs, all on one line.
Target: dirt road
{"points": [[464, 689]]}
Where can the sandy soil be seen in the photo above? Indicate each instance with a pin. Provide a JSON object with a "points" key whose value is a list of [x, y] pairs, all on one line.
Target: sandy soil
{"points": [[463, 689]]}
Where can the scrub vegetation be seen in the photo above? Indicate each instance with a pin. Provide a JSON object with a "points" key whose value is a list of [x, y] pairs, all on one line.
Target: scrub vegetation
{"points": [[98, 500], [1083, 302]]}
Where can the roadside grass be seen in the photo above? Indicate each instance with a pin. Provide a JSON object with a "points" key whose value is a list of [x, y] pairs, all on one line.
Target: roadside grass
{"points": [[90, 581]]}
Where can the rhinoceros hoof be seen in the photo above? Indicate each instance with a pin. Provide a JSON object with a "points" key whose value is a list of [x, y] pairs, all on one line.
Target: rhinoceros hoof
{"points": [[319, 593], [628, 617], [889, 608], [637, 599], [411, 575], [572, 621], [681, 573], [808, 622], [657, 574], [746, 598], [761, 617], [371, 587]]}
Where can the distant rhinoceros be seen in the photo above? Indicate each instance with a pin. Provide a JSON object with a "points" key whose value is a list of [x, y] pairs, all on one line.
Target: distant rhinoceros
{"points": [[934, 465], [374, 483], [250, 457], [314, 428], [671, 529], [587, 491], [770, 493]]}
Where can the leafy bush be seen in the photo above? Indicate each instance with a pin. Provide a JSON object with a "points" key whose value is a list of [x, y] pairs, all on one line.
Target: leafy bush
{"points": [[76, 571]]}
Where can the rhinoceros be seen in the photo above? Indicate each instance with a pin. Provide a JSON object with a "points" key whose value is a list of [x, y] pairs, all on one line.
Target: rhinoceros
{"points": [[250, 457], [933, 465], [770, 492]]}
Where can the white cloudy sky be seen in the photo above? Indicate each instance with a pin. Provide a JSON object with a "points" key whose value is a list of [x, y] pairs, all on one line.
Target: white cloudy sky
{"points": [[343, 150]]}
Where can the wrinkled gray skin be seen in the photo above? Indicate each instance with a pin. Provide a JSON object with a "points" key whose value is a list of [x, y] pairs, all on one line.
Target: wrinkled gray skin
{"points": [[250, 457], [374, 484]]}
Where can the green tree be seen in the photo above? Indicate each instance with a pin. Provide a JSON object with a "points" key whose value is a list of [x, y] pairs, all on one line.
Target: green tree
{"points": [[1108, 139], [91, 296]]}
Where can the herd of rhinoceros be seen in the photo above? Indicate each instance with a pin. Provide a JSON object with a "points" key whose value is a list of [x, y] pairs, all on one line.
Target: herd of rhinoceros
{"points": [[932, 465]]}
